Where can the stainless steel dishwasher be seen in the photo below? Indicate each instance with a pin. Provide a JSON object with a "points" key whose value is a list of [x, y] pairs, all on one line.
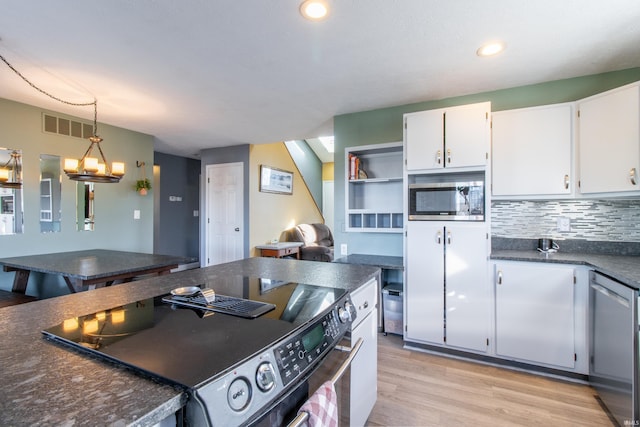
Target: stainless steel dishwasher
{"points": [[613, 364]]}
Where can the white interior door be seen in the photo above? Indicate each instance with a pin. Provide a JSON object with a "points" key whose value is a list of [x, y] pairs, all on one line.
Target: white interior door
{"points": [[225, 213]]}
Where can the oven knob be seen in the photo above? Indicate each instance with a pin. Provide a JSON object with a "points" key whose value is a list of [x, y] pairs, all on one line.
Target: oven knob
{"points": [[265, 377], [344, 314], [239, 394]]}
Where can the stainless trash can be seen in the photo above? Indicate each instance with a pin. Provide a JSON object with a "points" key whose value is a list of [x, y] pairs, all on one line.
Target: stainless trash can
{"points": [[392, 308]]}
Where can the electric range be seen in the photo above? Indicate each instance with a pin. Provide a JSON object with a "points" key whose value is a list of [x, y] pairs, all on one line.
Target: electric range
{"points": [[233, 368]]}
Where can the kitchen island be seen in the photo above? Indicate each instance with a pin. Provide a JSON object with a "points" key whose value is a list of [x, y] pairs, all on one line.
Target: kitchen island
{"points": [[44, 383]]}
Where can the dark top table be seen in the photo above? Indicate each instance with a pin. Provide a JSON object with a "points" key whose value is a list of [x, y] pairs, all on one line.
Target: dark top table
{"points": [[83, 270]]}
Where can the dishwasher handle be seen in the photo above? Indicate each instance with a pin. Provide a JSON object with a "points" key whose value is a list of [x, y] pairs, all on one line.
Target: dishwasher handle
{"points": [[353, 352], [610, 294]]}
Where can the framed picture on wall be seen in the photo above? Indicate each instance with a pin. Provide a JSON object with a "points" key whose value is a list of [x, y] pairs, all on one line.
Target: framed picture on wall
{"points": [[274, 180]]}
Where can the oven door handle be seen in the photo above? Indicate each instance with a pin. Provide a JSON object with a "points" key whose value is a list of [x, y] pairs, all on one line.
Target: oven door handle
{"points": [[353, 352]]}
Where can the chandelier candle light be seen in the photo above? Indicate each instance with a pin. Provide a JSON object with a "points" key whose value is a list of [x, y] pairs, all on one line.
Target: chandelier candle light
{"points": [[88, 168], [10, 172]]}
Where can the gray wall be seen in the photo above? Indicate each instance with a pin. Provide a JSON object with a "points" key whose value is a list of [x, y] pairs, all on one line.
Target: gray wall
{"points": [[385, 125], [177, 229], [214, 156]]}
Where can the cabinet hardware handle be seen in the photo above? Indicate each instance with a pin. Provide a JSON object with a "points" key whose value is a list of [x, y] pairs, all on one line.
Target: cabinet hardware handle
{"points": [[439, 237], [439, 157], [448, 156], [566, 182], [632, 176], [499, 277], [448, 237]]}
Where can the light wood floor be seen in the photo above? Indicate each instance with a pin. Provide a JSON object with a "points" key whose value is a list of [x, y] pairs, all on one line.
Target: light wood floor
{"points": [[420, 389]]}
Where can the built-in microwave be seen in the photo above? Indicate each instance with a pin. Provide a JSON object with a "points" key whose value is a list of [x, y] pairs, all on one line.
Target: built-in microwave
{"points": [[446, 201]]}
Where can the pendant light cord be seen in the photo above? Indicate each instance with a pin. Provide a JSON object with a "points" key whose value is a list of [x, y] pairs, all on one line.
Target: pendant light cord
{"points": [[44, 92]]}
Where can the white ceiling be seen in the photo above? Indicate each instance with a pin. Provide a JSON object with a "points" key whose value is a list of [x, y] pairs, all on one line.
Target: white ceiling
{"points": [[199, 74]]}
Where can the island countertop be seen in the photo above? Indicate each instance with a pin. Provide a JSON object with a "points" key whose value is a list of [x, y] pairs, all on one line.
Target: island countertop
{"points": [[44, 383]]}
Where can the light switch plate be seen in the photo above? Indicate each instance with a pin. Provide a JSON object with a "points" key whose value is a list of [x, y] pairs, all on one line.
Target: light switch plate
{"points": [[564, 223], [343, 249], [136, 214]]}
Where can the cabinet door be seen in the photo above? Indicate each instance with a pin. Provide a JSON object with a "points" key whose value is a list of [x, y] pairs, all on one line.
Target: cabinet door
{"points": [[531, 151], [535, 313], [423, 138], [424, 314], [467, 300], [364, 370], [610, 141], [466, 140]]}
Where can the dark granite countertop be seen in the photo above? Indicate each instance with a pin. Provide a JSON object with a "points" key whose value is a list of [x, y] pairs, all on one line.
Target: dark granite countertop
{"points": [[92, 264], [44, 383], [382, 261], [624, 268]]}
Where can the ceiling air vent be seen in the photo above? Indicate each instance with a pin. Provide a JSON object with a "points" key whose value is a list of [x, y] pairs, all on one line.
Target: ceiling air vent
{"points": [[67, 127]]}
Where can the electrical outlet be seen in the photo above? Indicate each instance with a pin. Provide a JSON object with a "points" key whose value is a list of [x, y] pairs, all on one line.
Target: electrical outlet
{"points": [[343, 249], [564, 223], [136, 214]]}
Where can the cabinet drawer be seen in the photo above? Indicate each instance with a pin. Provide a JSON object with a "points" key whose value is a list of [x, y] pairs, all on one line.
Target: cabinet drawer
{"points": [[365, 299]]}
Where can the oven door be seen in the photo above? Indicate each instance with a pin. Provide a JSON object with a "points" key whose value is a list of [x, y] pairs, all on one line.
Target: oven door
{"points": [[335, 367]]}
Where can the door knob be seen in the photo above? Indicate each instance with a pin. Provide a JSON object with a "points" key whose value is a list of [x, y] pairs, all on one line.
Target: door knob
{"points": [[237, 229]]}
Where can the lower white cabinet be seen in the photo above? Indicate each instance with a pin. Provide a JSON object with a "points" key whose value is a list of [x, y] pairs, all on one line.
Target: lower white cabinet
{"points": [[447, 293], [364, 368], [536, 319]]}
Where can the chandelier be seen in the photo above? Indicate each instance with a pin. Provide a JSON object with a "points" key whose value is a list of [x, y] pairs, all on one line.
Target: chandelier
{"points": [[10, 172], [93, 169], [88, 168]]}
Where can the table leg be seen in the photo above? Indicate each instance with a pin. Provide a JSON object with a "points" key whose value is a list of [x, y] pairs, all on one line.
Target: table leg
{"points": [[72, 285], [20, 281]]}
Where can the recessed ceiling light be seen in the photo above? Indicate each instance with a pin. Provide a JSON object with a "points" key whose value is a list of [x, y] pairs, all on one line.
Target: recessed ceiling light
{"points": [[490, 49], [315, 10]]}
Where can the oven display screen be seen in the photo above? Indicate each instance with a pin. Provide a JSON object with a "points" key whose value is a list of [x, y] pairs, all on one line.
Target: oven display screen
{"points": [[313, 338]]}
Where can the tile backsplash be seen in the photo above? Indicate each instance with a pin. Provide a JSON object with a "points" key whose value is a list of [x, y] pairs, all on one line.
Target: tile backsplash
{"points": [[594, 220]]}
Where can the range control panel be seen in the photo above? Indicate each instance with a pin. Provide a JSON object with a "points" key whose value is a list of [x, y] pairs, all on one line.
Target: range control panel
{"points": [[295, 355]]}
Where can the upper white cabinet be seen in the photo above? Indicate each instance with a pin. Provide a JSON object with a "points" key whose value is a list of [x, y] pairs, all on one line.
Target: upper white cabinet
{"points": [[447, 293], [535, 319], [609, 135], [455, 137], [374, 188], [532, 151]]}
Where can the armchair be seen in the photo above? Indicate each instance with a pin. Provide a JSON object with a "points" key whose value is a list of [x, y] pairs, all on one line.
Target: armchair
{"points": [[317, 239]]}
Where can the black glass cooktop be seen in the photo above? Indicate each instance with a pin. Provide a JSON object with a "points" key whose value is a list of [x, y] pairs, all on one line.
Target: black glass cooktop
{"points": [[189, 346]]}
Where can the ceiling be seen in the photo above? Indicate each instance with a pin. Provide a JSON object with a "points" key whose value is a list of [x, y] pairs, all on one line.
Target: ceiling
{"points": [[200, 74]]}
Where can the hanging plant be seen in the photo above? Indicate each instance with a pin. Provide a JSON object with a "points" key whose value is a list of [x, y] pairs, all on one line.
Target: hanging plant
{"points": [[142, 186]]}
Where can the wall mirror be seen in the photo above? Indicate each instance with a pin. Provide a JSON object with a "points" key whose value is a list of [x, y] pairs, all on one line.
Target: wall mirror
{"points": [[85, 198], [50, 194], [11, 213]]}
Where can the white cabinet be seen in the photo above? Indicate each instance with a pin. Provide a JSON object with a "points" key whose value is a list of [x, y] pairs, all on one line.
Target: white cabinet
{"points": [[609, 138], [364, 368], [454, 137], [446, 290], [374, 188], [535, 317], [532, 151]]}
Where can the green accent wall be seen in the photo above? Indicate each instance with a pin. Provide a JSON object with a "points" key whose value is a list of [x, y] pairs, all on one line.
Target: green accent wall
{"points": [[115, 228], [385, 125]]}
